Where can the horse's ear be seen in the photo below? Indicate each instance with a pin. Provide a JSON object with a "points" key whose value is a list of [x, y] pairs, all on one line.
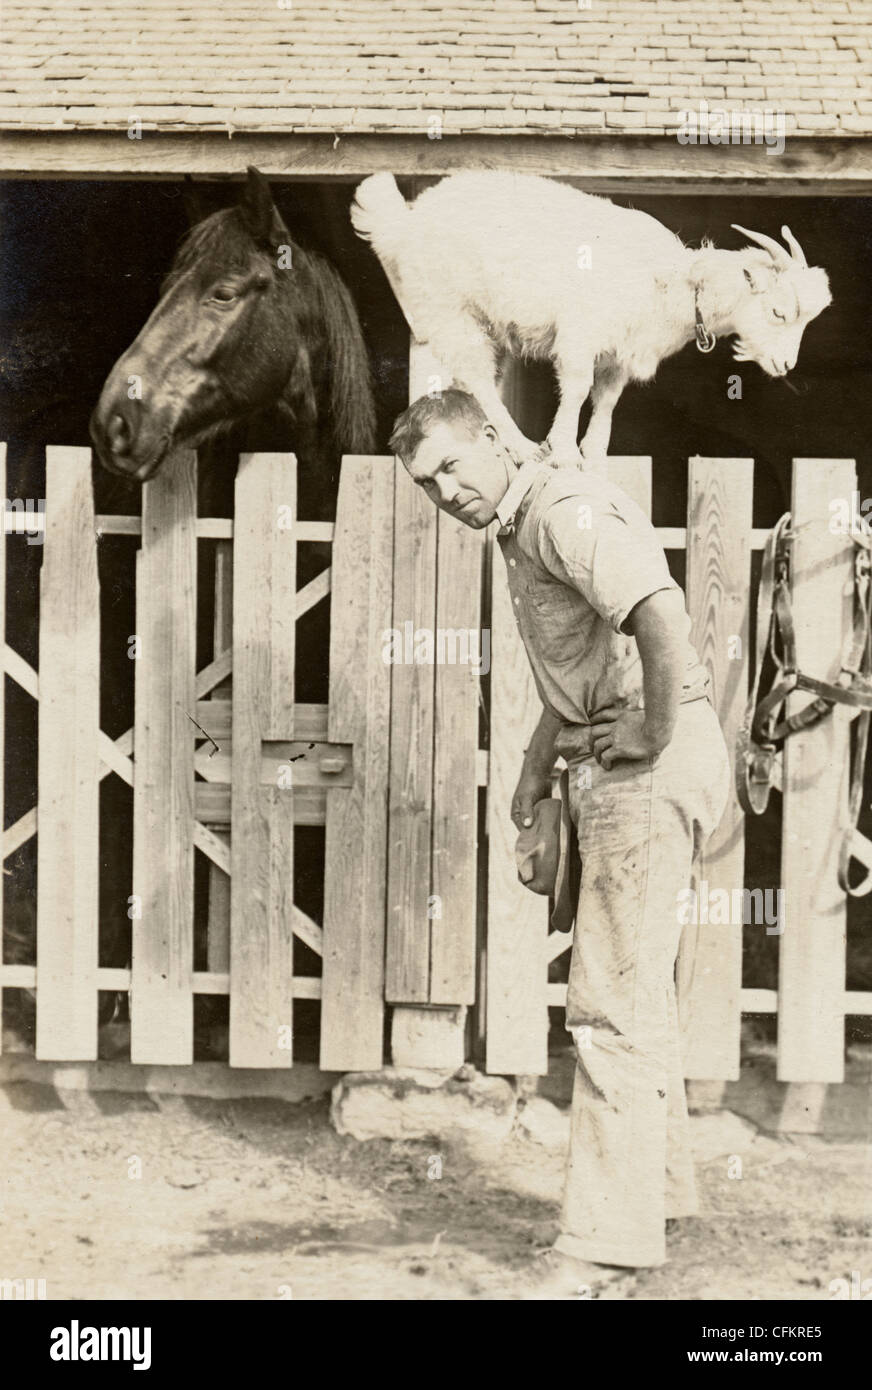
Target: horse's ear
{"points": [[194, 207], [259, 211]]}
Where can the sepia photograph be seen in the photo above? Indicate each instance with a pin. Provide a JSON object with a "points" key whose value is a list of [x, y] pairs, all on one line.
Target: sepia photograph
{"points": [[437, 587]]}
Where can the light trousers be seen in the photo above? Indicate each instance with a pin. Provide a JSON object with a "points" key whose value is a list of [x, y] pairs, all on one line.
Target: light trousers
{"points": [[640, 826]]}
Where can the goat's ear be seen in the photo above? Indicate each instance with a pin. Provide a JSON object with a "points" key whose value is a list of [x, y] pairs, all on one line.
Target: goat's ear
{"points": [[260, 213], [759, 277]]}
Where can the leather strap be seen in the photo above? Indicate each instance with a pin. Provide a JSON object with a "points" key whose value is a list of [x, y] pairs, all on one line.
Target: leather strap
{"points": [[762, 730], [755, 756]]}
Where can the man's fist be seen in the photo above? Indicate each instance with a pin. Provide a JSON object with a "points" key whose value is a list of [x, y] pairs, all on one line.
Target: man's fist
{"points": [[530, 789], [621, 735]]}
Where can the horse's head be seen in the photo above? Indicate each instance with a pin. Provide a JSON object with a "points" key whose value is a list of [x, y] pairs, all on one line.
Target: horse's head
{"points": [[226, 337]]}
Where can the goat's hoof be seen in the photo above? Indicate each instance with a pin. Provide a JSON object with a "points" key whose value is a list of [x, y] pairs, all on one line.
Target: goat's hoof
{"points": [[528, 451], [592, 460], [562, 454], [541, 453]]}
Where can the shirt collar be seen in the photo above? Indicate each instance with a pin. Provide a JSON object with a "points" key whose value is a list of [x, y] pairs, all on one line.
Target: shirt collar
{"points": [[517, 491]]}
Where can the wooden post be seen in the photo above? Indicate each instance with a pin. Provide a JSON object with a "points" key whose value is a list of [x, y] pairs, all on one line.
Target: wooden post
{"points": [[811, 976], [718, 588], [262, 813], [352, 986], [2, 704], [69, 777], [162, 1014], [427, 1037]]}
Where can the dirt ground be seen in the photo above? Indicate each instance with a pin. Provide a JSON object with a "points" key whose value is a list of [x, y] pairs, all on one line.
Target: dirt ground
{"points": [[263, 1200]]}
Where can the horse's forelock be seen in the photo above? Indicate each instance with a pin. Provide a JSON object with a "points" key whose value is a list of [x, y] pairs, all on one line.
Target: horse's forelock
{"points": [[221, 243]]}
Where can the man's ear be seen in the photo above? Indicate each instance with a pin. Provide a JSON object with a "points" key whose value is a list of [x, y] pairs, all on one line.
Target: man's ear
{"points": [[490, 433]]}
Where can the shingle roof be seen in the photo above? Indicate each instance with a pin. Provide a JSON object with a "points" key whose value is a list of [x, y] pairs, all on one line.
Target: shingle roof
{"points": [[486, 66]]}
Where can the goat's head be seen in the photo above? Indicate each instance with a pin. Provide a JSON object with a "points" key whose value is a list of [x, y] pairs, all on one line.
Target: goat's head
{"points": [[782, 294]]}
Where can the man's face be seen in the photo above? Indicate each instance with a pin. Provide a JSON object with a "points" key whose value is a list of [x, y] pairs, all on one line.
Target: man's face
{"points": [[466, 475]]}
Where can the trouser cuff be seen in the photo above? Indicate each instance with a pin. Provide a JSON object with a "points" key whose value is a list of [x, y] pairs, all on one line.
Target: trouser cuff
{"points": [[597, 1252]]}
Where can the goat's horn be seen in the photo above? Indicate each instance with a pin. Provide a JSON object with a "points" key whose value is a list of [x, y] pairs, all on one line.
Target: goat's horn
{"points": [[775, 249], [796, 250]]}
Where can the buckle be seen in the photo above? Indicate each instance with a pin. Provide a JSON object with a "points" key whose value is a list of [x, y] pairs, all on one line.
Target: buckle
{"points": [[760, 764]]}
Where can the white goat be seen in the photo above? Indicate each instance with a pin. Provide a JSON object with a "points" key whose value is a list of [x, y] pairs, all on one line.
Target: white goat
{"points": [[493, 261]]}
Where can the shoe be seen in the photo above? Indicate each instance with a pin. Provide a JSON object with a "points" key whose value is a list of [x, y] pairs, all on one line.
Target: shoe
{"points": [[559, 1276]]}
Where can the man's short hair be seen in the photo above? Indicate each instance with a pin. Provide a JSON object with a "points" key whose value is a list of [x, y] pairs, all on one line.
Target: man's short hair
{"points": [[448, 407]]}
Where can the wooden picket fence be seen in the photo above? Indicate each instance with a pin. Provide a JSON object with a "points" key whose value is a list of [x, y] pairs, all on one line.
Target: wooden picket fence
{"points": [[288, 764], [811, 1000], [396, 775]]}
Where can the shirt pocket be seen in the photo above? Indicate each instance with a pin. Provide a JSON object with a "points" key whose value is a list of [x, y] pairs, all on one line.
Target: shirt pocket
{"points": [[557, 619]]}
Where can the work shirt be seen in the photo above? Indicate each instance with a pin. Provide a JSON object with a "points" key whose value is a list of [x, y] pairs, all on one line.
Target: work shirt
{"points": [[580, 555]]}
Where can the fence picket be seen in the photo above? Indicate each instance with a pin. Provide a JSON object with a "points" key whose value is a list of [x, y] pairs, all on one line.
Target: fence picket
{"points": [[161, 1027], [455, 790], [517, 921], [718, 587], [632, 474], [811, 975], [352, 989], [68, 777], [411, 763], [262, 815]]}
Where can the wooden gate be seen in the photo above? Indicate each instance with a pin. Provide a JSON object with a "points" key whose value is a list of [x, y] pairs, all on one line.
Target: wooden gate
{"points": [[195, 737]]}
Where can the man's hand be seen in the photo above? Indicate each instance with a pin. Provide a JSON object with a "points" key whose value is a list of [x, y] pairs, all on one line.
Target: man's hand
{"points": [[534, 783], [530, 789], [621, 735]]}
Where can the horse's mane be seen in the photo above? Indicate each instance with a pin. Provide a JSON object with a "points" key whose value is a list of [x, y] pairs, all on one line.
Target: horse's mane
{"points": [[351, 418], [352, 408]]}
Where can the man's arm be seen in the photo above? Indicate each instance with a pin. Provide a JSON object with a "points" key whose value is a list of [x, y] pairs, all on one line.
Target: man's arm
{"points": [[659, 625], [534, 784]]}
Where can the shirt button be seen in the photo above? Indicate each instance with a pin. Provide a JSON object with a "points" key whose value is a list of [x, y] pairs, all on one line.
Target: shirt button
{"points": [[517, 601], [513, 563]]}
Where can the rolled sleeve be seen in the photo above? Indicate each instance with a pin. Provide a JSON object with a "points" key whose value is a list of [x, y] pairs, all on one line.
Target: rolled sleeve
{"points": [[611, 555]]}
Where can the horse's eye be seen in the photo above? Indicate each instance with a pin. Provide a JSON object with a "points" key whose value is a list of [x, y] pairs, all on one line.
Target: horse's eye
{"points": [[223, 294]]}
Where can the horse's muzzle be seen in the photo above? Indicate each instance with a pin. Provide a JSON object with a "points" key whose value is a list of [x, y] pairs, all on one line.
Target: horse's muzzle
{"points": [[119, 445]]}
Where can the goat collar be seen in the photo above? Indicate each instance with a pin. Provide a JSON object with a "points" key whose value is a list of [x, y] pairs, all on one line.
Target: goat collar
{"points": [[705, 340]]}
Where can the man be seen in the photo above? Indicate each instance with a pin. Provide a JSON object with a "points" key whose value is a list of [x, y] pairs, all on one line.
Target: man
{"points": [[625, 702]]}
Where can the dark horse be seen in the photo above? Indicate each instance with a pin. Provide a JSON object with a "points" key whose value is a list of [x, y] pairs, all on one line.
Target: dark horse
{"points": [[247, 322]]}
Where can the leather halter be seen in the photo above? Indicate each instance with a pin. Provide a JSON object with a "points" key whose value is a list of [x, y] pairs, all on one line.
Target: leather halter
{"points": [[765, 726]]}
